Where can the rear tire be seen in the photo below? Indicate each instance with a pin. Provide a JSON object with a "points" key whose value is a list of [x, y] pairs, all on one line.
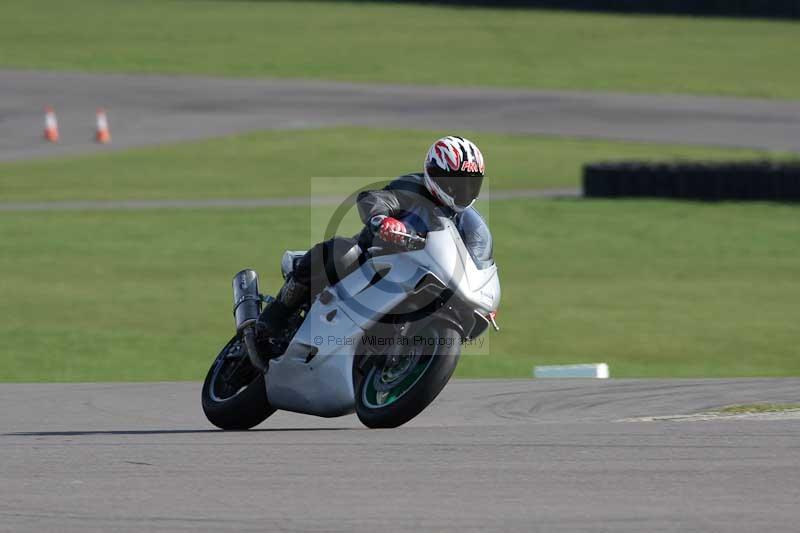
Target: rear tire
{"points": [[390, 396], [234, 393]]}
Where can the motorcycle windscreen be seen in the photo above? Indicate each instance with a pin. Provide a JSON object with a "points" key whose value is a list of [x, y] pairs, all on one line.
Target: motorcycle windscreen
{"points": [[477, 238]]}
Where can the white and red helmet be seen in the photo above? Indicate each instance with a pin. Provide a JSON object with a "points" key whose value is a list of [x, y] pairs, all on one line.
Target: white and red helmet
{"points": [[454, 172]]}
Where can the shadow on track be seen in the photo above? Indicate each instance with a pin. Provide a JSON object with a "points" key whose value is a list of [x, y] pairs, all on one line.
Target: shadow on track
{"points": [[159, 432]]}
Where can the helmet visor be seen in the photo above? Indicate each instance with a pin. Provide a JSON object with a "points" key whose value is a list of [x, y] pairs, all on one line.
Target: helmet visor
{"points": [[463, 189]]}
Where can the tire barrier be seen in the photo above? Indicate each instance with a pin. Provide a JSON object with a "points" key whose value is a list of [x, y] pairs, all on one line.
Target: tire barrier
{"points": [[787, 9], [745, 181]]}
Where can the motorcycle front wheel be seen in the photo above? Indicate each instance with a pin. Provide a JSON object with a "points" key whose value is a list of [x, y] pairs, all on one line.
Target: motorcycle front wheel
{"points": [[392, 390], [234, 393]]}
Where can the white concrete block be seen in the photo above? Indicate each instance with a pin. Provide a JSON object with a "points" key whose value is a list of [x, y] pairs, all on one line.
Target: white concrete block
{"points": [[594, 370]]}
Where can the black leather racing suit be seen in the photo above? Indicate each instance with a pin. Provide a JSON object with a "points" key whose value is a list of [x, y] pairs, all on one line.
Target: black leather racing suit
{"points": [[404, 198]]}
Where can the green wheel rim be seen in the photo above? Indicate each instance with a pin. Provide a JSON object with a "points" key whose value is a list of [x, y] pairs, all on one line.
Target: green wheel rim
{"points": [[384, 386]]}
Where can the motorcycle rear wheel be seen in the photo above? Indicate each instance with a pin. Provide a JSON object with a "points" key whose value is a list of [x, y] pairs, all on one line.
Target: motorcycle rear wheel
{"points": [[389, 395], [234, 393]]}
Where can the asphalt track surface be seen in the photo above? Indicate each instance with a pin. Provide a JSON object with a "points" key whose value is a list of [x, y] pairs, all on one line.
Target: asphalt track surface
{"points": [[521, 455], [149, 109]]}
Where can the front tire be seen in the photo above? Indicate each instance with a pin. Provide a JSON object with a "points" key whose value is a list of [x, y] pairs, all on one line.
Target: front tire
{"points": [[389, 395], [234, 393]]}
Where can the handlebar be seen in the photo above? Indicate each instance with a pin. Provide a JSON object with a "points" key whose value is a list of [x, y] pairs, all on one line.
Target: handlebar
{"points": [[413, 242], [409, 236]]}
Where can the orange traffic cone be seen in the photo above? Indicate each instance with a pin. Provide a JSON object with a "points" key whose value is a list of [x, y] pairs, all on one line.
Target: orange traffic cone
{"points": [[50, 125], [102, 134]]}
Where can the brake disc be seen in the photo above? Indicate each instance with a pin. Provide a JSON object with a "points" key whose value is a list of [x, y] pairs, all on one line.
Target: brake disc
{"points": [[391, 375]]}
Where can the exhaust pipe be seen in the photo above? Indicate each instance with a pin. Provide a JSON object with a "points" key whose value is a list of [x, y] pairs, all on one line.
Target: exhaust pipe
{"points": [[246, 310], [246, 300]]}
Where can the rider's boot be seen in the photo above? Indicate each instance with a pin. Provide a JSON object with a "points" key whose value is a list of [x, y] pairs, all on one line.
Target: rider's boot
{"points": [[274, 318]]}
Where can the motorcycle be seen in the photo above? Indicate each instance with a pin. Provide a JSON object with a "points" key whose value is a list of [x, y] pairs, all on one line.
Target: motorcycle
{"points": [[383, 341]]}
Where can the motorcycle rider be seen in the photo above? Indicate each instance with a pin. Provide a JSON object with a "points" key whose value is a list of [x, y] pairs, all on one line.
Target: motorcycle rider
{"points": [[451, 181]]}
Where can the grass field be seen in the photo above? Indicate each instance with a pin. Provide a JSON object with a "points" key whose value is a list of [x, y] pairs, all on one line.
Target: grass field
{"points": [[281, 164], [652, 288], [756, 408], [416, 44]]}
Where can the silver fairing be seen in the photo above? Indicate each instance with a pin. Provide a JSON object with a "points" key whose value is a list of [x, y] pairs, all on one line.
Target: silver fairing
{"points": [[314, 376]]}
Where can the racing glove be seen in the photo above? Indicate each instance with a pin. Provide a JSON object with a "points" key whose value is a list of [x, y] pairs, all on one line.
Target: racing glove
{"points": [[389, 225]]}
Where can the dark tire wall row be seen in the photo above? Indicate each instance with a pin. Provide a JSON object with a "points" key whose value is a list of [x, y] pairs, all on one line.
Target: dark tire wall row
{"points": [[751, 181], [786, 9]]}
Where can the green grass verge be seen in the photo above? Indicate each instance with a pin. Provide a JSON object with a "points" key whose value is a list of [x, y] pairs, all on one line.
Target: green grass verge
{"points": [[758, 408], [281, 164], [652, 288], [406, 44]]}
